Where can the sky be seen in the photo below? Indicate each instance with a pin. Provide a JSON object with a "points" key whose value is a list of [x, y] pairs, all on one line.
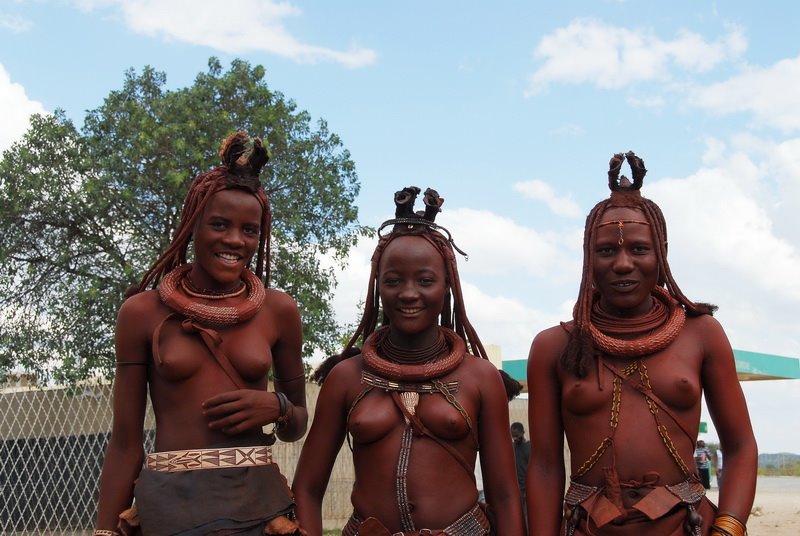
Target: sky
{"points": [[511, 110]]}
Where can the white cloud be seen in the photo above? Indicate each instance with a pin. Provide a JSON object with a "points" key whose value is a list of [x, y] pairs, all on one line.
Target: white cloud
{"points": [[612, 57], [784, 168], [541, 191], [498, 246], [352, 281], [511, 323], [15, 108], [14, 23], [772, 94], [734, 244], [255, 25], [694, 54]]}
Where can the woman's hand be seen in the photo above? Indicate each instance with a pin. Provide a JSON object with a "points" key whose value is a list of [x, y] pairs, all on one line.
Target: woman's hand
{"points": [[237, 411]]}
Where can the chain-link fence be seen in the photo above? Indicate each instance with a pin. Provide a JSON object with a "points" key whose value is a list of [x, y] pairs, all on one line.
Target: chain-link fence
{"points": [[51, 452]]}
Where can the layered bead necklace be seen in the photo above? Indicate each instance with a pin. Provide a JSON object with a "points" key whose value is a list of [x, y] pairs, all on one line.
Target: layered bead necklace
{"points": [[412, 356], [402, 364]]}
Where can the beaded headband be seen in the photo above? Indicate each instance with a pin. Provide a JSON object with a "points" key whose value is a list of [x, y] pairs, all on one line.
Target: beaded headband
{"points": [[405, 215], [620, 224]]}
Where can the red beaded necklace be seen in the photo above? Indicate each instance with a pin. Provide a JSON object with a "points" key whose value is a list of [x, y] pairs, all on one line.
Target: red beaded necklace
{"points": [[220, 315], [412, 356], [432, 368]]}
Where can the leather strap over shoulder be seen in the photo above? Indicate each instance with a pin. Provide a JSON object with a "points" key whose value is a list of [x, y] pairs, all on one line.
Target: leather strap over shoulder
{"points": [[211, 338]]}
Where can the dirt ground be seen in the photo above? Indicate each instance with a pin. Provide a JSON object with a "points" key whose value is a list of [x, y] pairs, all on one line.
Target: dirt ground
{"points": [[776, 509]]}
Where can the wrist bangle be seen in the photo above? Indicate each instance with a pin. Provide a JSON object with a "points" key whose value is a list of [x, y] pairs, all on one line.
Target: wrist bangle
{"points": [[102, 532], [727, 525], [283, 411]]}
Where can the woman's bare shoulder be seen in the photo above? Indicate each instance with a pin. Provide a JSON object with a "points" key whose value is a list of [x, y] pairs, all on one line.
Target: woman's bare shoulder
{"points": [[142, 303], [478, 365], [279, 300], [552, 338], [346, 371], [709, 335], [344, 379], [280, 311], [703, 322]]}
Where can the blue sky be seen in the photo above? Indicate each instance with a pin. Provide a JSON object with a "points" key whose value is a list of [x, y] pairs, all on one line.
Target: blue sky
{"points": [[511, 110]]}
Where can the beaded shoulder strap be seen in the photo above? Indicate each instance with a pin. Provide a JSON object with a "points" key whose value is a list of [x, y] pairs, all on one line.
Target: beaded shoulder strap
{"points": [[649, 393], [655, 404], [422, 429]]}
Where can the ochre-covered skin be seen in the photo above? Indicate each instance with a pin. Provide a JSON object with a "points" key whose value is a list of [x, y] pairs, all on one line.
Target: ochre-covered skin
{"points": [[414, 276], [572, 394], [196, 403]]}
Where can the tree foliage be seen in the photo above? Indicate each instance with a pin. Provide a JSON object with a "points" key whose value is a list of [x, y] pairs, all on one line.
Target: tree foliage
{"points": [[86, 212]]}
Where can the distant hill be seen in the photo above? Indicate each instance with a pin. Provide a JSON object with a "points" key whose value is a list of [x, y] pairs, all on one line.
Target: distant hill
{"points": [[781, 459]]}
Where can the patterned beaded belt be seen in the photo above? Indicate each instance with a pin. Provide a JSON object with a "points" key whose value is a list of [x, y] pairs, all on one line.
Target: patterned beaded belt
{"points": [[473, 523], [189, 460]]}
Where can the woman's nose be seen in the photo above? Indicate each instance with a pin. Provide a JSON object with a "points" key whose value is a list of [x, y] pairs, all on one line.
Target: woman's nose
{"points": [[623, 262], [408, 292], [234, 237]]}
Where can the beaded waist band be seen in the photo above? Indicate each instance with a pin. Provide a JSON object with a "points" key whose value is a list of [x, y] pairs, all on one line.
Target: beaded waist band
{"points": [[473, 523], [688, 491], [191, 460]]}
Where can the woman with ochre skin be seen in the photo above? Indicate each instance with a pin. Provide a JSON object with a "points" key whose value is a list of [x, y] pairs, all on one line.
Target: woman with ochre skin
{"points": [[624, 381], [203, 342], [413, 404]]}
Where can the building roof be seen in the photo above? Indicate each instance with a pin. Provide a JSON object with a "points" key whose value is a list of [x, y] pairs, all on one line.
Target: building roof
{"points": [[749, 366], [757, 366]]}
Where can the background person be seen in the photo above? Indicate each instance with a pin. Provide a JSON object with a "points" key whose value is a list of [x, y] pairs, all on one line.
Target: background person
{"points": [[702, 459], [522, 454]]}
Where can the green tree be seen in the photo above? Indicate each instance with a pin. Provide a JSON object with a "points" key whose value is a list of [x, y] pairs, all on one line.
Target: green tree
{"points": [[85, 212]]}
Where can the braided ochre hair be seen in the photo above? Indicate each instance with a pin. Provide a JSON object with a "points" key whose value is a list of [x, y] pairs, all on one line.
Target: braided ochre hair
{"points": [[453, 314], [242, 160]]}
